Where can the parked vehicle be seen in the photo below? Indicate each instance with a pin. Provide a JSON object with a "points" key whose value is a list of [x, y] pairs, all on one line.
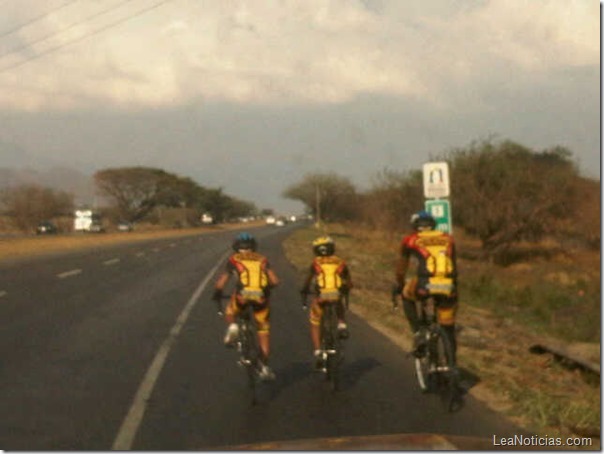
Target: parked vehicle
{"points": [[46, 228], [125, 226]]}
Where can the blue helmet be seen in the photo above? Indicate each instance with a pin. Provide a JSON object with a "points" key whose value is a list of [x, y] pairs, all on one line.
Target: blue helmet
{"points": [[244, 240], [422, 219]]}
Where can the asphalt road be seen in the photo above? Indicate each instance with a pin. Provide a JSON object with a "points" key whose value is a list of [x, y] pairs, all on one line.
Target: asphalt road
{"points": [[121, 348]]}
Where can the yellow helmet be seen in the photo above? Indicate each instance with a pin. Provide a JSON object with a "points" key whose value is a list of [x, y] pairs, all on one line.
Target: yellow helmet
{"points": [[324, 245]]}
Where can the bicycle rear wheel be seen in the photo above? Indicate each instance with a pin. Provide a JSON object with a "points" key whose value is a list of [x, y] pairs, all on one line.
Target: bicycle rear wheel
{"points": [[423, 364], [446, 371], [331, 345], [249, 354]]}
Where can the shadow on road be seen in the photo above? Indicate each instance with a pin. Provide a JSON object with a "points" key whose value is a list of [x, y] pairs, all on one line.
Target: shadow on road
{"points": [[352, 372]]}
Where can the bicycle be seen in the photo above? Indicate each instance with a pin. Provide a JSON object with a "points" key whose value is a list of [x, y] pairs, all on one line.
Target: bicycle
{"points": [[247, 347], [435, 367], [331, 344]]}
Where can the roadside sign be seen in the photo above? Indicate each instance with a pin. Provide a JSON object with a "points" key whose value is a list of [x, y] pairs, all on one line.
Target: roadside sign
{"points": [[441, 212], [436, 180]]}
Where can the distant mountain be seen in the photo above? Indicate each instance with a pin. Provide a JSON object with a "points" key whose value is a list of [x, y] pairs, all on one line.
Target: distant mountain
{"points": [[58, 178]]}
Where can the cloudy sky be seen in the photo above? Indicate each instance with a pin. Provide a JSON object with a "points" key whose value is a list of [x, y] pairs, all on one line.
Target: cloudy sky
{"points": [[252, 94]]}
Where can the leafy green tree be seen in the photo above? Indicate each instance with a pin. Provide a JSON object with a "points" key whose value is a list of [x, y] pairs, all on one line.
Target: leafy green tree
{"points": [[327, 196], [135, 191], [505, 193], [393, 198]]}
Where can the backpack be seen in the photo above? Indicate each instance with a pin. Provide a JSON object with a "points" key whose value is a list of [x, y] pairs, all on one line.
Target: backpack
{"points": [[435, 247], [253, 279], [328, 277]]}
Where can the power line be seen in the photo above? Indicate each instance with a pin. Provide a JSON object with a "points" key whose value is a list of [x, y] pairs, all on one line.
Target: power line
{"points": [[35, 19], [82, 38], [69, 27]]}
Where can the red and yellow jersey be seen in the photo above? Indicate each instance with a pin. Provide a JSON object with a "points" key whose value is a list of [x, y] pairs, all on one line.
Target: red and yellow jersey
{"points": [[251, 269], [434, 252], [330, 274]]}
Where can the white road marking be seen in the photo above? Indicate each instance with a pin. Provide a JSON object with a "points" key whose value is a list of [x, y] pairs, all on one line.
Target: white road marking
{"points": [[69, 273], [140, 254], [155, 249], [111, 261], [2, 293], [125, 436], [172, 244]]}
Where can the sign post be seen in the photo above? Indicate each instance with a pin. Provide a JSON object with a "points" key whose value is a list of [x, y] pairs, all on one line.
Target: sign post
{"points": [[436, 191], [440, 209]]}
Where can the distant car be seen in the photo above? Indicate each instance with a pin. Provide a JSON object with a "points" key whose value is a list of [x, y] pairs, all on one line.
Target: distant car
{"points": [[96, 227], [270, 220], [125, 226], [46, 228], [281, 221]]}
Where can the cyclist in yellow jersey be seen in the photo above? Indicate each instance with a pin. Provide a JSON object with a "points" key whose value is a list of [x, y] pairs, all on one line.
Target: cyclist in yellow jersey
{"points": [[332, 281], [435, 256], [255, 278]]}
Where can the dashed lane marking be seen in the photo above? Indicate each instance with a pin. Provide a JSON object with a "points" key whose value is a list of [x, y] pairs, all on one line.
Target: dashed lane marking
{"points": [[111, 261], [140, 254], [69, 273], [3, 293], [132, 421]]}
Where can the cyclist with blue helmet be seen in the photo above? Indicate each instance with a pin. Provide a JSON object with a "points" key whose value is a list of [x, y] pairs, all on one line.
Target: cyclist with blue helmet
{"points": [[433, 254], [255, 278]]}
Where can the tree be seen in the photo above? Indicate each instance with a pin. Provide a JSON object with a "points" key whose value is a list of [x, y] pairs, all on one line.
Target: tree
{"points": [[505, 193], [326, 195], [135, 191], [394, 197], [30, 204]]}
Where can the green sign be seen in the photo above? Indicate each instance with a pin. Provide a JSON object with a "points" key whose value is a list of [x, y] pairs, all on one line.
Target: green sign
{"points": [[441, 211]]}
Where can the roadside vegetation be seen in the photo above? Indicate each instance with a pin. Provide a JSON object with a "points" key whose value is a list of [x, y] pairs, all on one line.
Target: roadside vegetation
{"points": [[503, 313], [527, 226]]}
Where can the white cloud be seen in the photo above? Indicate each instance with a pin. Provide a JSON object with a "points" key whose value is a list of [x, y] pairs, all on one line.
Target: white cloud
{"points": [[299, 52]]}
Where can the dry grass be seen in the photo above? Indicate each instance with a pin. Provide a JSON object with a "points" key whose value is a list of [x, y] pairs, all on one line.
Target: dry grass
{"points": [[534, 391], [16, 248]]}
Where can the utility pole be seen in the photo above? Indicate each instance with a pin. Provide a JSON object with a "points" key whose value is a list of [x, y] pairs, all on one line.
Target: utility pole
{"points": [[317, 205]]}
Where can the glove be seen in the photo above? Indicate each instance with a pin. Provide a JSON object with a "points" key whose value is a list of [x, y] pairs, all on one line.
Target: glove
{"points": [[304, 295], [217, 296]]}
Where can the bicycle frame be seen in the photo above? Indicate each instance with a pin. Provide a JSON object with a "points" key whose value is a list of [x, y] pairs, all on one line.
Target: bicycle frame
{"points": [[331, 345], [435, 370], [247, 346]]}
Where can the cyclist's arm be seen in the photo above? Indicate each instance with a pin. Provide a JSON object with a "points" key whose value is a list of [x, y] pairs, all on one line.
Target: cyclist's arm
{"points": [[347, 277], [224, 277], [273, 280], [402, 265], [308, 279]]}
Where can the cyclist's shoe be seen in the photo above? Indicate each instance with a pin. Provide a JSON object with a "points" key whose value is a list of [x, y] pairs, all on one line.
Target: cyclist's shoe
{"points": [[343, 330], [231, 335], [419, 345], [265, 373], [319, 361]]}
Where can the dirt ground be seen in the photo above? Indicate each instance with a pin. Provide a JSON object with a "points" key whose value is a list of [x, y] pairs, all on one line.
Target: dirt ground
{"points": [[15, 248]]}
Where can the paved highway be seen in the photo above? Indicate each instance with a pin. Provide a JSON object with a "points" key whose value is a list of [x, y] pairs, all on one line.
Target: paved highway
{"points": [[121, 348]]}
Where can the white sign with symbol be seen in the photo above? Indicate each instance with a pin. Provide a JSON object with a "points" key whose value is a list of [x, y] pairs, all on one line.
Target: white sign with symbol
{"points": [[436, 180]]}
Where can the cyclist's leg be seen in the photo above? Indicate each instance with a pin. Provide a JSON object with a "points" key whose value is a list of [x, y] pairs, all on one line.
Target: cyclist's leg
{"points": [[315, 316], [446, 311], [231, 313], [409, 297], [262, 317], [340, 313]]}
